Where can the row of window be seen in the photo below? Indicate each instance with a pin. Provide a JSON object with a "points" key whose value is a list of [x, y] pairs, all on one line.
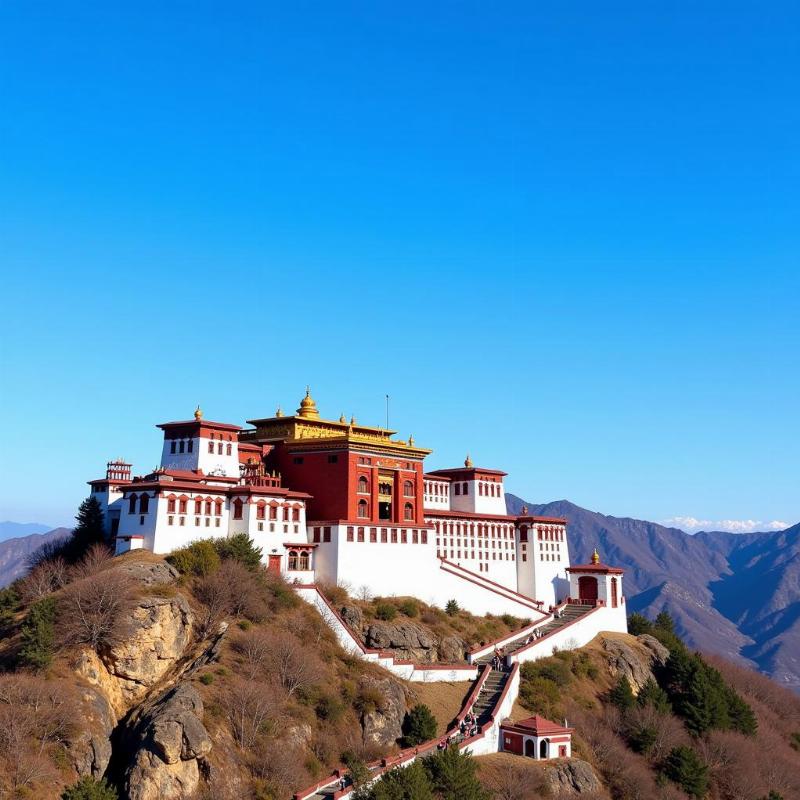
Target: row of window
{"points": [[386, 536], [182, 521], [436, 490], [299, 561], [385, 488], [495, 556], [495, 545], [362, 511], [475, 529]]}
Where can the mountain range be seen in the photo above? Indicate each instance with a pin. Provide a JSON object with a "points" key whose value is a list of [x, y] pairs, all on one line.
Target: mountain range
{"points": [[737, 595]]}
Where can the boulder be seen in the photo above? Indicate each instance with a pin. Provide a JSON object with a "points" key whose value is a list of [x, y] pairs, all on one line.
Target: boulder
{"points": [[159, 573], [383, 727], [405, 639], [572, 777], [353, 617], [90, 750], [451, 649], [625, 660], [170, 742], [660, 654]]}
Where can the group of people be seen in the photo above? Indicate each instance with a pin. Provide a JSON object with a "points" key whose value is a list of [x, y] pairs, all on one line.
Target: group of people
{"points": [[469, 725], [535, 634], [498, 659]]}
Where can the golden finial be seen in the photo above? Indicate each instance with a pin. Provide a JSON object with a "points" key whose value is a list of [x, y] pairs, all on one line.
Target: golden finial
{"points": [[468, 462], [595, 557], [343, 419], [198, 414], [524, 510], [353, 419], [278, 412], [308, 408], [411, 440]]}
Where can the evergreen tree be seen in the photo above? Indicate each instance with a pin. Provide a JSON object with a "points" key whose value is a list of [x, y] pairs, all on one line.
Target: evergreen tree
{"points": [[451, 609], [419, 726], [38, 634], [638, 624], [652, 694], [241, 548], [89, 530], [741, 716], [88, 788], [695, 701], [684, 767], [453, 775], [621, 694], [665, 622], [401, 783]]}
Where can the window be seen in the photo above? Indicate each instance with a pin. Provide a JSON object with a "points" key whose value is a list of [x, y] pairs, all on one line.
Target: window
{"points": [[261, 511], [295, 515], [333, 459], [144, 504], [465, 488], [198, 506], [363, 485], [297, 460], [373, 534], [219, 448], [293, 560], [172, 446], [273, 512], [360, 534], [414, 537], [394, 536], [350, 532], [384, 535], [170, 520], [181, 521], [180, 446], [362, 509], [403, 537], [408, 512], [315, 535], [218, 509], [190, 446], [237, 508], [326, 534], [408, 489], [182, 505], [228, 449], [132, 504], [424, 535], [458, 488], [305, 560], [211, 447], [171, 506], [208, 507]]}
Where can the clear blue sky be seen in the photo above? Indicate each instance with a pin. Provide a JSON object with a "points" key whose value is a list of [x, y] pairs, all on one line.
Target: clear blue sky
{"points": [[562, 236]]}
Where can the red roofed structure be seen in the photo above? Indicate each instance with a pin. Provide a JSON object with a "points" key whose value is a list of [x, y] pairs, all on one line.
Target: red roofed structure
{"points": [[536, 737]]}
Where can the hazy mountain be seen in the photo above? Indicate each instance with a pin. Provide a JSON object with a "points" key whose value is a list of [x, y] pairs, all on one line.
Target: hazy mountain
{"points": [[733, 594], [14, 552], [16, 530]]}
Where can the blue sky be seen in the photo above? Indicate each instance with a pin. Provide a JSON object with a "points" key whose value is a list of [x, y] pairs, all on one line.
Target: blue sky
{"points": [[561, 236]]}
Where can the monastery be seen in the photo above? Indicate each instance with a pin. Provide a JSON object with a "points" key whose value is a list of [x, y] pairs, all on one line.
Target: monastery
{"points": [[337, 502]]}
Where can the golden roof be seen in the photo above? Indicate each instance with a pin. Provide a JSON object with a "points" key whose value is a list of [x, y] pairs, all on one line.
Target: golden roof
{"points": [[308, 408], [198, 414], [468, 462], [595, 557]]}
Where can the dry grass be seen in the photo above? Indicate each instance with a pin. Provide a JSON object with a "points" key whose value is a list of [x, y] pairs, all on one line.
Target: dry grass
{"points": [[443, 699]]}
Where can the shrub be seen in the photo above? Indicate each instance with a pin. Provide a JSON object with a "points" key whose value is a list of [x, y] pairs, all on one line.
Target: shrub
{"points": [[639, 624], [197, 558], [207, 678], [684, 767], [386, 611], [38, 634], [9, 601], [239, 547], [409, 608], [88, 788], [509, 621], [329, 707], [359, 772], [419, 725], [552, 669], [369, 699], [451, 609]]}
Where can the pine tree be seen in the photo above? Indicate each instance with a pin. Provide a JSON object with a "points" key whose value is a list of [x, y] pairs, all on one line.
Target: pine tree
{"points": [[665, 622], [419, 726], [696, 701], [38, 634], [684, 767], [89, 530], [453, 776], [451, 609], [241, 548], [652, 694], [638, 624], [402, 783], [621, 694]]}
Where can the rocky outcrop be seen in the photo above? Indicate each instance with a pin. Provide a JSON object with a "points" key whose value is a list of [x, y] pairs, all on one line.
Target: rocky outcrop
{"points": [[573, 777], [413, 642], [353, 617], [161, 631], [169, 742], [90, 750], [383, 726], [158, 573], [634, 662]]}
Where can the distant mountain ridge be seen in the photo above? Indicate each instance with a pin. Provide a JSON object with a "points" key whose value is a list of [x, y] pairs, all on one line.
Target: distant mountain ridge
{"points": [[733, 594], [14, 552], [16, 530]]}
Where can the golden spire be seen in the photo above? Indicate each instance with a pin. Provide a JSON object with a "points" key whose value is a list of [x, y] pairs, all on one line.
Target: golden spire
{"points": [[198, 414], [595, 557], [343, 419], [308, 408], [278, 412], [468, 462], [411, 440], [353, 419], [524, 510]]}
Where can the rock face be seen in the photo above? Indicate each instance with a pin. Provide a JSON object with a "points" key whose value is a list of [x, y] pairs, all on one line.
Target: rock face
{"points": [[634, 663], [352, 616], [170, 742], [159, 573], [660, 653], [572, 777], [413, 643], [161, 631], [384, 725], [91, 751]]}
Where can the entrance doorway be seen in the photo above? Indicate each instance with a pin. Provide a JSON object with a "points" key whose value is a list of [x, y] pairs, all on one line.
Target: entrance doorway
{"points": [[274, 564], [530, 748], [587, 588], [385, 497], [613, 593], [543, 748]]}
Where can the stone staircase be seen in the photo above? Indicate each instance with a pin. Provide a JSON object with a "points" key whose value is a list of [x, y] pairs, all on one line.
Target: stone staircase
{"points": [[489, 694], [569, 613]]}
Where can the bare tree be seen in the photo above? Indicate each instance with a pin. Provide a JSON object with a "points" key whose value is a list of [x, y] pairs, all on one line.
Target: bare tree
{"points": [[94, 560], [294, 666], [364, 593], [48, 576], [96, 610], [253, 710]]}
